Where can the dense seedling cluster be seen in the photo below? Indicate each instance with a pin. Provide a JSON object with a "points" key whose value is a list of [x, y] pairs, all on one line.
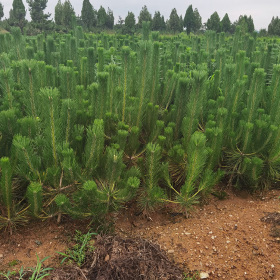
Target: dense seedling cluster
{"points": [[89, 122]]}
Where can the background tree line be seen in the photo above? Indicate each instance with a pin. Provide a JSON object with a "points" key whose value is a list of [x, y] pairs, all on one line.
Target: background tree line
{"points": [[92, 19]]}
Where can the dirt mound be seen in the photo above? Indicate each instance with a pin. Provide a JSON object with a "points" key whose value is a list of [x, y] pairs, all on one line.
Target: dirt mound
{"points": [[124, 259]]}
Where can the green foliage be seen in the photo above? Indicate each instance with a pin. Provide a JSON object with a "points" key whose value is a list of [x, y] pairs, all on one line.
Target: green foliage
{"points": [[17, 14], [83, 245], [213, 23], [35, 196], [1, 11], [192, 20], [274, 26], [88, 15], [174, 22], [226, 24], [64, 14], [92, 121], [36, 9], [246, 23], [101, 17], [144, 16], [158, 23], [129, 23]]}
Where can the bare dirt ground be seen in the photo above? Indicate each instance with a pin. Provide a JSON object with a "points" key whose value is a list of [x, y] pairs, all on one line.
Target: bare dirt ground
{"points": [[225, 239]]}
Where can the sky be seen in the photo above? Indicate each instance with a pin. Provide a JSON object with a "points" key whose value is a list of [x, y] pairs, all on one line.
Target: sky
{"points": [[261, 11]]}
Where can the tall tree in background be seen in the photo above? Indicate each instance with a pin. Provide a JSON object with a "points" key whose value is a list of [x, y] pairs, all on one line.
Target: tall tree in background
{"points": [[189, 21], [17, 14], [144, 16], [1, 10], [213, 23], [246, 23], [192, 20], [110, 19], [101, 17], [58, 13], [274, 27], [88, 15], [68, 14], [174, 23], [226, 24], [197, 20], [158, 23], [36, 9], [129, 23]]}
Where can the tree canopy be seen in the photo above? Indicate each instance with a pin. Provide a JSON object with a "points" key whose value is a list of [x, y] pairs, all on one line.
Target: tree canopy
{"points": [[213, 23], [101, 17], [144, 16], [1, 10], [110, 19], [129, 22], [189, 20], [174, 22], [88, 14], [64, 13], [274, 27], [36, 9], [17, 14], [226, 25], [246, 23], [158, 23]]}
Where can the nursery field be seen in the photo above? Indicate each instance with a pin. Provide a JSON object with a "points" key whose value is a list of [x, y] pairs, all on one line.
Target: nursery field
{"points": [[90, 123]]}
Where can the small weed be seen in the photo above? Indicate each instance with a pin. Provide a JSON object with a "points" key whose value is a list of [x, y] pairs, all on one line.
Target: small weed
{"points": [[191, 276], [13, 263], [38, 273], [78, 252]]}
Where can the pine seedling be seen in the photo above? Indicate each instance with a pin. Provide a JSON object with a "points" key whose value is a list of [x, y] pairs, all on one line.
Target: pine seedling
{"points": [[67, 81], [35, 197], [31, 84], [150, 118], [181, 97], [83, 71], [50, 48], [8, 128], [113, 88], [152, 196], [6, 184], [197, 157], [102, 94], [7, 86], [125, 58], [274, 96], [154, 72], [91, 65], [63, 202], [100, 52], [51, 74], [133, 141], [144, 64], [114, 165], [28, 162], [28, 127], [94, 146], [195, 105], [169, 89], [67, 119], [50, 119], [122, 138], [13, 217], [69, 165]]}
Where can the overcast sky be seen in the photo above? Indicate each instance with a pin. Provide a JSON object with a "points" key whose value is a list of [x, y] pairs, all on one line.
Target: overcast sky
{"points": [[261, 11]]}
